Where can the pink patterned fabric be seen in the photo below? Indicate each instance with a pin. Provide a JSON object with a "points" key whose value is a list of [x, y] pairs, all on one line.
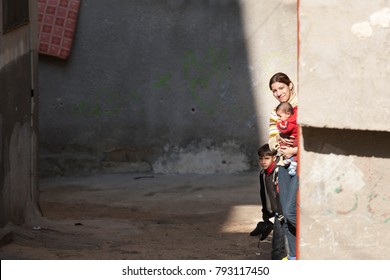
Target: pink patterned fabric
{"points": [[56, 26]]}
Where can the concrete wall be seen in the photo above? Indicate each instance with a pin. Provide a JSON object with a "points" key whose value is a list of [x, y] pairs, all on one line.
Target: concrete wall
{"points": [[18, 122], [344, 107], [168, 86]]}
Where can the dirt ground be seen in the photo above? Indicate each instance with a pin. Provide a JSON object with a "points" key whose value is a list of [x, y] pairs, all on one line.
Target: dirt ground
{"points": [[144, 217]]}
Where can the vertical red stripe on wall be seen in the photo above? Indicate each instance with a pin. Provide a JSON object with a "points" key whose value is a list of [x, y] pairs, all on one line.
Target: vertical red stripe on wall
{"points": [[299, 137]]}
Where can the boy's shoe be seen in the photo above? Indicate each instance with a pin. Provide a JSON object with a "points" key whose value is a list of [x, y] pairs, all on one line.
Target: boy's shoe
{"points": [[256, 231], [263, 229], [267, 230]]}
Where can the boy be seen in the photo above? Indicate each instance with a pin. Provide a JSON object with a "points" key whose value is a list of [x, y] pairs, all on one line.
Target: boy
{"points": [[270, 203], [288, 128]]}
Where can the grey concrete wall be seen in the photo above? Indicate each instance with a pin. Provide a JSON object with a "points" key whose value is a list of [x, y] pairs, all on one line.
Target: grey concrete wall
{"points": [[164, 86], [18, 122], [345, 64], [344, 106]]}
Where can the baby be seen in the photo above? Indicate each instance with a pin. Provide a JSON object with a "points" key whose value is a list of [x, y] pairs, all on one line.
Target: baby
{"points": [[288, 128]]}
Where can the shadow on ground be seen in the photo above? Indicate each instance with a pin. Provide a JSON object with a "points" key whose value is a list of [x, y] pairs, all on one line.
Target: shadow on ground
{"points": [[142, 216]]}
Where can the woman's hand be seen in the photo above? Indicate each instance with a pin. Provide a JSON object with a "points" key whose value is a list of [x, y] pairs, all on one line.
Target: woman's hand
{"points": [[289, 151], [287, 141]]}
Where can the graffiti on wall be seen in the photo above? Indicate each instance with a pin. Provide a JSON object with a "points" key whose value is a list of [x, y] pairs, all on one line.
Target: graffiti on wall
{"points": [[349, 188], [204, 76], [163, 82], [201, 72], [104, 102], [204, 73], [378, 203]]}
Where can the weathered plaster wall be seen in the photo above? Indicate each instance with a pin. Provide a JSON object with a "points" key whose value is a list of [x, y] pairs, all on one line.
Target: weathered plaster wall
{"points": [[345, 64], [18, 123], [164, 86], [344, 104]]}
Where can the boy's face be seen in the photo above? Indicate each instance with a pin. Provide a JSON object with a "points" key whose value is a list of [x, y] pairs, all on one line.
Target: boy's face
{"points": [[283, 115], [266, 161]]}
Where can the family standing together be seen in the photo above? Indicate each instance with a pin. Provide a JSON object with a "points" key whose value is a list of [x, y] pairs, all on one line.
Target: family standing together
{"points": [[278, 177]]}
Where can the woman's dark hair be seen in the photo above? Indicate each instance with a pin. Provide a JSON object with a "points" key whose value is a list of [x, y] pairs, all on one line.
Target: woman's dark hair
{"points": [[279, 78]]}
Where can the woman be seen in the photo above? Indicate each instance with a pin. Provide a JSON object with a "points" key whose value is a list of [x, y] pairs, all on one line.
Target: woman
{"points": [[283, 90]]}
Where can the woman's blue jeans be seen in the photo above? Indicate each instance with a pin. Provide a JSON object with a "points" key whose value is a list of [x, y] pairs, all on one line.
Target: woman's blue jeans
{"points": [[288, 187]]}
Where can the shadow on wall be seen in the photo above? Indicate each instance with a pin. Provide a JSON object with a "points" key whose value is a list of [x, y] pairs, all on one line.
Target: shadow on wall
{"points": [[162, 87], [362, 143]]}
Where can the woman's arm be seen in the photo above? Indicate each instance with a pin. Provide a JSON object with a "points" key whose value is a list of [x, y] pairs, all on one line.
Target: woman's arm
{"points": [[289, 152], [291, 142], [273, 133]]}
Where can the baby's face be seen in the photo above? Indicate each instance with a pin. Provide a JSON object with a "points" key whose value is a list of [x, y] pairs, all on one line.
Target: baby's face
{"points": [[283, 116]]}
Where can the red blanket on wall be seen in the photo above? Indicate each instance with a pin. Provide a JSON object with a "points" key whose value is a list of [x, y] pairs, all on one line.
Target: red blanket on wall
{"points": [[56, 26]]}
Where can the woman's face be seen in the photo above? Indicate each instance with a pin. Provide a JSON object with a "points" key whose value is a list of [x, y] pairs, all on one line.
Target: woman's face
{"points": [[281, 92]]}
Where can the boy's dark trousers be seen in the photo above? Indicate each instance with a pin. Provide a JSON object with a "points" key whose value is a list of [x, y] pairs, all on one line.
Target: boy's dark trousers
{"points": [[278, 247]]}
